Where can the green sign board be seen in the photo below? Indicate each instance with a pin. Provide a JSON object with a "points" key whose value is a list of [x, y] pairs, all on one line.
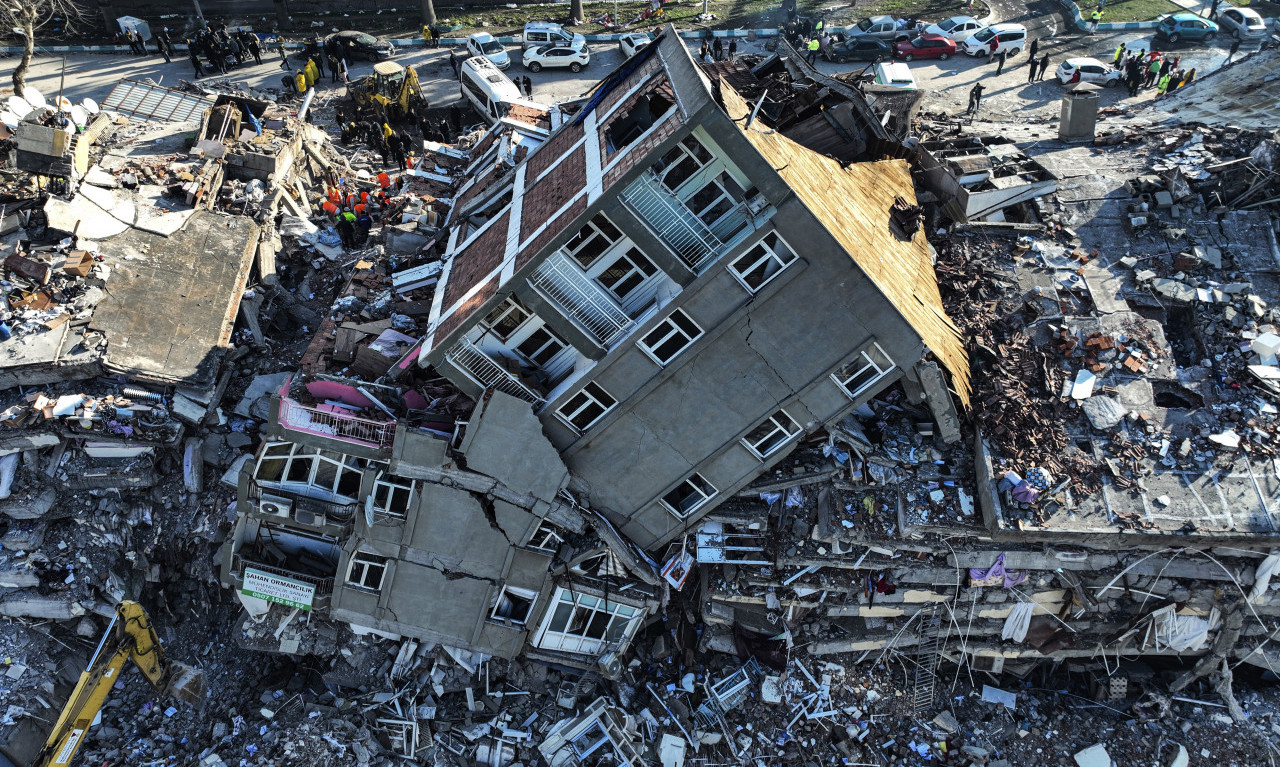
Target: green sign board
{"points": [[274, 588]]}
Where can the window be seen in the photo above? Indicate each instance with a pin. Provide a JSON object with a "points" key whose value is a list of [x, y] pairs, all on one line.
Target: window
{"points": [[546, 538], [513, 605], [762, 262], [366, 571], [540, 346], [587, 406], [689, 496], [626, 273], [504, 320], [682, 162], [672, 336], [867, 368], [391, 495], [581, 623], [776, 431], [635, 119], [325, 475], [592, 240], [715, 200]]}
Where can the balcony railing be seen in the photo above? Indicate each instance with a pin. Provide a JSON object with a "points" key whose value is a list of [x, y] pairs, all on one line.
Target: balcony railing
{"points": [[675, 224], [581, 299], [336, 424], [324, 586], [468, 358]]}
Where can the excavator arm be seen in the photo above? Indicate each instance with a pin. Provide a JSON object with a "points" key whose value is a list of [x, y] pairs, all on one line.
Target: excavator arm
{"points": [[129, 637]]}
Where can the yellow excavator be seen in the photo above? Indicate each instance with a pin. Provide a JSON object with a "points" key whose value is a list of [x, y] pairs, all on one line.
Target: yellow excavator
{"points": [[391, 90], [129, 637]]}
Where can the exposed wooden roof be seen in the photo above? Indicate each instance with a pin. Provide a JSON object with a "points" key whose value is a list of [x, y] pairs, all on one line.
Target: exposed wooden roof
{"points": [[852, 202]]}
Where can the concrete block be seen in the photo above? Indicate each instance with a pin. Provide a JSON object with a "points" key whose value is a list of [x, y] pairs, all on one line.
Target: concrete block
{"points": [[32, 606], [917, 596]]}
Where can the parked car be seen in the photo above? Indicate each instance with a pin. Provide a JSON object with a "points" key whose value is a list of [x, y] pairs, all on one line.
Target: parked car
{"points": [[484, 45], [955, 28], [350, 45], [858, 49], [1010, 38], [540, 33], [883, 27], [634, 43], [1241, 23], [535, 59], [1186, 26], [925, 46], [1091, 71]]}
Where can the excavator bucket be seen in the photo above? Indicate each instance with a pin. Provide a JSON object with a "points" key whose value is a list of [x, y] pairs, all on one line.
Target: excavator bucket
{"points": [[185, 683]]}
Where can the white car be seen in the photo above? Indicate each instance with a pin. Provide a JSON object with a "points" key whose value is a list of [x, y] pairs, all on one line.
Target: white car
{"points": [[1091, 71], [955, 28], [634, 43], [484, 45], [1010, 38], [575, 59]]}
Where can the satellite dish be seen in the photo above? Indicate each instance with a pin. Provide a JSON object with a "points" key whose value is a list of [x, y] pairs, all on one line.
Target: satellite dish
{"points": [[35, 97], [64, 104], [10, 120], [19, 106], [79, 116], [90, 106]]}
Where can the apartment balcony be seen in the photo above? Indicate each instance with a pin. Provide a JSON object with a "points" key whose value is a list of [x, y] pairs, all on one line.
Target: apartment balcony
{"points": [[323, 585], [581, 299], [487, 374], [336, 423], [695, 242], [300, 506]]}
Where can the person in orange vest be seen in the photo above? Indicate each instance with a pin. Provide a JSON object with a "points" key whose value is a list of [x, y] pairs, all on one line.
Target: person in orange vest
{"points": [[330, 209], [364, 196], [384, 180]]}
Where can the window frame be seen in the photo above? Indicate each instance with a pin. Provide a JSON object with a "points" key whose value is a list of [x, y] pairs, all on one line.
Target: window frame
{"points": [[770, 253], [384, 480], [543, 534], [585, 611], [591, 398], [779, 428], [319, 461], [597, 232], [673, 329], [527, 595], [842, 375], [366, 562], [705, 497], [509, 306]]}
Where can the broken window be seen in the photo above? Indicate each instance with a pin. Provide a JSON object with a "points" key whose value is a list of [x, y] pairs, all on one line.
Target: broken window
{"points": [[391, 495], [581, 623], [540, 346], [504, 320], [626, 273], [688, 496], [586, 407], [766, 260], [682, 162], [592, 240], [513, 605], [366, 571], [776, 431], [868, 367], [546, 538], [670, 337], [317, 473], [635, 121]]}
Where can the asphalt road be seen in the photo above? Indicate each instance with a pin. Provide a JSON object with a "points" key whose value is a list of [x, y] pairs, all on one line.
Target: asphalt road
{"points": [[1008, 96]]}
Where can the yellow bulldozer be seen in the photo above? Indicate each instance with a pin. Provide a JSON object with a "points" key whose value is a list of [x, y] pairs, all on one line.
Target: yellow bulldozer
{"points": [[391, 91]]}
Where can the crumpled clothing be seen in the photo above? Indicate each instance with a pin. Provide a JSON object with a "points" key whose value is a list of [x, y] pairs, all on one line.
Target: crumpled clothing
{"points": [[1008, 579], [1018, 622]]}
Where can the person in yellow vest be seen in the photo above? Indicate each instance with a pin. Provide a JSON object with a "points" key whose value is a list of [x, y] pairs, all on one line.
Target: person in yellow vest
{"points": [[386, 131], [1094, 18], [313, 73], [300, 79], [814, 45]]}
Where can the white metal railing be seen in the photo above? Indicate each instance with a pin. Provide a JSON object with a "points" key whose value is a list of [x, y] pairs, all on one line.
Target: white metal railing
{"points": [[691, 239], [580, 298], [468, 358], [348, 428]]}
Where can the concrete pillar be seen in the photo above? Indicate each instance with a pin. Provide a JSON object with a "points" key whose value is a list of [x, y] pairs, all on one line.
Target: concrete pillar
{"points": [[1079, 112], [940, 402]]}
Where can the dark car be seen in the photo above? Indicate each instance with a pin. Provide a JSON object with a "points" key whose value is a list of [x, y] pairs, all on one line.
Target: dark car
{"points": [[351, 45], [925, 47], [862, 48]]}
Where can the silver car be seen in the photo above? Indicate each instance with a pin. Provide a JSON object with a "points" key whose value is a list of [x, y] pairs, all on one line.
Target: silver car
{"points": [[1241, 23]]}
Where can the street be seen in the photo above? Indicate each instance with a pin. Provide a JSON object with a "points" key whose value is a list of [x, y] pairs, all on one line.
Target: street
{"points": [[1008, 96]]}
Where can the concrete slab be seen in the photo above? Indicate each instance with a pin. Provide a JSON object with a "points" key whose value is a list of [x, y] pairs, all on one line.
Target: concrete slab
{"points": [[82, 217], [259, 387], [500, 423]]}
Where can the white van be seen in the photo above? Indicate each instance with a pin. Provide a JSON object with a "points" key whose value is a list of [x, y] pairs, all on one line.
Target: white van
{"points": [[487, 88], [540, 33], [895, 75]]}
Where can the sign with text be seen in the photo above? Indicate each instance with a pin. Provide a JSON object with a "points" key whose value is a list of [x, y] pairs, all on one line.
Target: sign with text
{"points": [[274, 588]]}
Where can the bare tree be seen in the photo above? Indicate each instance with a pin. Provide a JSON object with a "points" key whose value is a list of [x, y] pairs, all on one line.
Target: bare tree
{"points": [[27, 17], [428, 13]]}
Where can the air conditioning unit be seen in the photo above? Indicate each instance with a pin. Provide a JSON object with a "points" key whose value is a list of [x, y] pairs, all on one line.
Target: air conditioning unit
{"points": [[275, 505], [610, 665], [756, 204], [306, 517]]}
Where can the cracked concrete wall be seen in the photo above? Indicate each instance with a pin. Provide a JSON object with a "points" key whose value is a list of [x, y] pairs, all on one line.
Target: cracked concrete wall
{"points": [[758, 354]]}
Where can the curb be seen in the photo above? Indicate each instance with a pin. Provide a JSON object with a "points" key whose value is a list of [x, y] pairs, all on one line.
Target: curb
{"points": [[1119, 26]]}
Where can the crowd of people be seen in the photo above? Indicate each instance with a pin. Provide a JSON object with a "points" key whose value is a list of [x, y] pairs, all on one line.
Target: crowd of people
{"points": [[1144, 69]]}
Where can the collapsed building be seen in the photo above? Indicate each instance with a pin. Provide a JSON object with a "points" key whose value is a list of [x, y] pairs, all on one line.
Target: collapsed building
{"points": [[731, 412]]}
